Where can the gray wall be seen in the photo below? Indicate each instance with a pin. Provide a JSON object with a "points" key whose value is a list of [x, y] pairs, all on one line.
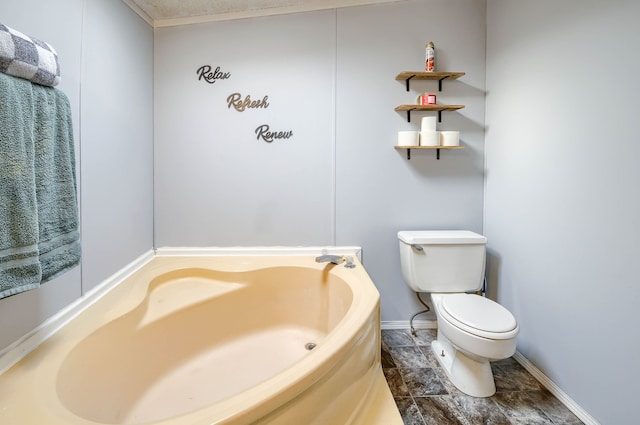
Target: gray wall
{"points": [[378, 191], [330, 77], [216, 184], [562, 200], [105, 52], [116, 140]]}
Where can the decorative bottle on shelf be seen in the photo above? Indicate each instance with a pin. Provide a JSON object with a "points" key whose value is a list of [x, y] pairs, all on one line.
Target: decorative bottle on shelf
{"points": [[430, 62]]}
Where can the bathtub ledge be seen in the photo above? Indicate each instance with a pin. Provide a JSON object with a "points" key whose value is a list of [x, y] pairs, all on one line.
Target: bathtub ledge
{"points": [[260, 251], [29, 342]]}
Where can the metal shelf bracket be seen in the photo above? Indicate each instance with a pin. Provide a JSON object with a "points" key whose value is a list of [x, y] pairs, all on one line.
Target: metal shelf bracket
{"points": [[407, 81], [409, 154]]}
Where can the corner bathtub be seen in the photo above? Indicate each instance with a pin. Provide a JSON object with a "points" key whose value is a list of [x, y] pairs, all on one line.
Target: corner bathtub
{"points": [[278, 340]]}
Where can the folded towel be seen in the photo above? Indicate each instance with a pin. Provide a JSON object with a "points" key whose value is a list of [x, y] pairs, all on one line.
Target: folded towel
{"points": [[27, 57], [20, 268], [38, 203], [55, 179]]}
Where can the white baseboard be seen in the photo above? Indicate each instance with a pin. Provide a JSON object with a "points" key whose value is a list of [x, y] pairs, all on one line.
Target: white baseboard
{"points": [[555, 390], [29, 342], [404, 324]]}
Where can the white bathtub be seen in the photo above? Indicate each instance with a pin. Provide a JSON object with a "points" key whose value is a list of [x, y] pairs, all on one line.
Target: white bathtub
{"points": [[213, 340]]}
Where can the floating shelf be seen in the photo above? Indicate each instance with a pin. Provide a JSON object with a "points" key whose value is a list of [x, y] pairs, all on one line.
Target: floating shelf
{"points": [[407, 76], [439, 76], [437, 108], [437, 148]]}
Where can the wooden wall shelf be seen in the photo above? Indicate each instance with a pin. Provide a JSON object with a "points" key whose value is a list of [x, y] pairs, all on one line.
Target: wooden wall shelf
{"points": [[438, 108], [439, 76], [407, 76]]}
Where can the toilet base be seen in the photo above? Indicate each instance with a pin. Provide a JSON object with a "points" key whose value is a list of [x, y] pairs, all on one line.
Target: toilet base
{"points": [[471, 376]]}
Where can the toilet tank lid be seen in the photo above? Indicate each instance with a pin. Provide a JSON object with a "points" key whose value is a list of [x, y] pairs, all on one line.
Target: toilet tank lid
{"points": [[440, 237]]}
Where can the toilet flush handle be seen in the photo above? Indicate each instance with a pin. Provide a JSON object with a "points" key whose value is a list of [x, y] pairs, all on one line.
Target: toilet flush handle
{"points": [[418, 248]]}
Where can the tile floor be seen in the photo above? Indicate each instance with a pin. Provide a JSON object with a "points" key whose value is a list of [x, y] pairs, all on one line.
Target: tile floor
{"points": [[425, 396]]}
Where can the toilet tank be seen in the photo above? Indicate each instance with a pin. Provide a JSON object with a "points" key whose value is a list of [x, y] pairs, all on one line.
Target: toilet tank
{"points": [[442, 260]]}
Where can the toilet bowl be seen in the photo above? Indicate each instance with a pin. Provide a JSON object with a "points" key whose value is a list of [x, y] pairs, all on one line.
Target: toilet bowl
{"points": [[472, 329]]}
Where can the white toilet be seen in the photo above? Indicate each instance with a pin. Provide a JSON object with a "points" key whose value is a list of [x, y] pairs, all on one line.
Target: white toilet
{"points": [[472, 330]]}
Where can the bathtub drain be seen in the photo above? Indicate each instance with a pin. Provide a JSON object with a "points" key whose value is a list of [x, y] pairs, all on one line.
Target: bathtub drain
{"points": [[310, 346]]}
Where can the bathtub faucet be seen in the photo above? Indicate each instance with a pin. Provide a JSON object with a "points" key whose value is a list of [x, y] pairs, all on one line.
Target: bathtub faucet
{"points": [[328, 258], [336, 259]]}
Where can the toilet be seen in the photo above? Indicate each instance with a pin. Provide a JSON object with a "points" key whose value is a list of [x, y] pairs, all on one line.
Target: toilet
{"points": [[472, 330]]}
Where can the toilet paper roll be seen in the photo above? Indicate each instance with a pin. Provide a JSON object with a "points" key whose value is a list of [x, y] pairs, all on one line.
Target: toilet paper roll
{"points": [[407, 138], [428, 124], [450, 138], [429, 138]]}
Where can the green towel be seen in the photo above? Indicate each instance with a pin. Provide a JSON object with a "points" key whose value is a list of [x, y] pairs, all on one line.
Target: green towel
{"points": [[38, 204], [55, 178], [20, 268]]}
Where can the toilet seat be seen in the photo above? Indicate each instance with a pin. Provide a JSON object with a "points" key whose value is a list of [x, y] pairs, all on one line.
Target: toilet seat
{"points": [[478, 315]]}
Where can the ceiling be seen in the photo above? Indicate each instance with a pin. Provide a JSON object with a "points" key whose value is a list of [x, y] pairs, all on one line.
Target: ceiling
{"points": [[179, 12]]}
